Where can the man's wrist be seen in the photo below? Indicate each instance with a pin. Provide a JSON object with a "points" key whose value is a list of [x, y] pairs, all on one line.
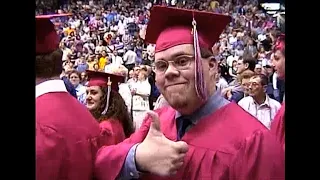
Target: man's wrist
{"points": [[136, 160]]}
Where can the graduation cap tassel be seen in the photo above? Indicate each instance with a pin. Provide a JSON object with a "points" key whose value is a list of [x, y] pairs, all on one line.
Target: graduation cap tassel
{"points": [[199, 79], [108, 96]]}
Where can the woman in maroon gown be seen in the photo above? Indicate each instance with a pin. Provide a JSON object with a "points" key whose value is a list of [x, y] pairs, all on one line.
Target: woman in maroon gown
{"points": [[278, 61], [108, 107]]}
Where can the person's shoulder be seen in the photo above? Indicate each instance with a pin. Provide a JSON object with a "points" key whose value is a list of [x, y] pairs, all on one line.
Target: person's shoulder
{"points": [[275, 103], [64, 112], [82, 88], [238, 117], [245, 100]]}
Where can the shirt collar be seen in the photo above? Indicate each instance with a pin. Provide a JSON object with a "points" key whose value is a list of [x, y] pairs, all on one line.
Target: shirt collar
{"points": [[50, 86], [265, 103], [215, 102]]}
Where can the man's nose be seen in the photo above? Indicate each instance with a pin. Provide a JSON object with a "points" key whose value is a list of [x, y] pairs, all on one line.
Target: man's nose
{"points": [[171, 71]]}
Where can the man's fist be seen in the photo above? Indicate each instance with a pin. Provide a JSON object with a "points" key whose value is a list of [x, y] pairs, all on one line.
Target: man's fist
{"points": [[157, 154]]}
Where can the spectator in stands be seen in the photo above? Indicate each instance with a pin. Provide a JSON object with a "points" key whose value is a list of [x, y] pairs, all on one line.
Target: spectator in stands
{"points": [[75, 77], [258, 103]]}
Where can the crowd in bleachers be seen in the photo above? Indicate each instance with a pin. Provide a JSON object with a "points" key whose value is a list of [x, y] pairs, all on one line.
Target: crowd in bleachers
{"points": [[103, 36]]}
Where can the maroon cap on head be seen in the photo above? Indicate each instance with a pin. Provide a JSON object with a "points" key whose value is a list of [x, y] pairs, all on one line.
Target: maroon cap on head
{"points": [[170, 27], [97, 78], [47, 39]]}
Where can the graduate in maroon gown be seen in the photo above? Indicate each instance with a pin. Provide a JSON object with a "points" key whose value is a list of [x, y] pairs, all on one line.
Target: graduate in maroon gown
{"points": [[278, 61], [67, 135], [107, 106], [200, 135]]}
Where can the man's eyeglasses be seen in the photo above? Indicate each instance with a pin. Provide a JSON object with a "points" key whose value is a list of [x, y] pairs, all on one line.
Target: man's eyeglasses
{"points": [[180, 63], [254, 84]]}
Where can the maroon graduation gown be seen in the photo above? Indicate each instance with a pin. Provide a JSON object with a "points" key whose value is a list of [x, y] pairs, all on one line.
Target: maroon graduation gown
{"points": [[114, 130], [67, 138], [278, 125], [228, 144]]}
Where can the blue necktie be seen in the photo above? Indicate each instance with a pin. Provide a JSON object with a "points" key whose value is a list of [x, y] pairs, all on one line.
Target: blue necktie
{"points": [[182, 124]]}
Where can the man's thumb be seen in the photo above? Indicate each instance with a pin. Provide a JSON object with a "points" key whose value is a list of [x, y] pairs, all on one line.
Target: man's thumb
{"points": [[155, 121]]}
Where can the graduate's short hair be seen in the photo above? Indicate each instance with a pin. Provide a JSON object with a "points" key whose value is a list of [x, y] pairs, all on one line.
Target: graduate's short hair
{"points": [[205, 53], [49, 65]]}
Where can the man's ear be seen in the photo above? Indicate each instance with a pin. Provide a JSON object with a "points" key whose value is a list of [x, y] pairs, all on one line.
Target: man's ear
{"points": [[213, 68], [246, 65], [213, 64], [265, 88]]}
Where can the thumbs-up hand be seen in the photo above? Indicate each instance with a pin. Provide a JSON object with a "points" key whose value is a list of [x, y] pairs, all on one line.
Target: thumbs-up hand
{"points": [[157, 154]]}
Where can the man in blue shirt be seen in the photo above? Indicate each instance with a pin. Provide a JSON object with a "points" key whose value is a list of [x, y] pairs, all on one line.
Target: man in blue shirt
{"points": [[68, 85]]}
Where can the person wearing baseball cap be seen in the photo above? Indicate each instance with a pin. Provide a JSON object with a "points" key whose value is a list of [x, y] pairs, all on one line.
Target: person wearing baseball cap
{"points": [[200, 135], [67, 136]]}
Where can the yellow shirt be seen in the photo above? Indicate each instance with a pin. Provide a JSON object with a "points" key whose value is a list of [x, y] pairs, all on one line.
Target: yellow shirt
{"points": [[91, 64], [102, 62], [69, 31]]}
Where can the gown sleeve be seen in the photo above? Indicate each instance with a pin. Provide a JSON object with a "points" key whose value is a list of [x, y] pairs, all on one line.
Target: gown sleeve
{"points": [[278, 126], [259, 156]]}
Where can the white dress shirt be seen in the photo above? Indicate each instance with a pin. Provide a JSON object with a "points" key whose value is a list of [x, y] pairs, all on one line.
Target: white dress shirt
{"points": [[264, 112]]}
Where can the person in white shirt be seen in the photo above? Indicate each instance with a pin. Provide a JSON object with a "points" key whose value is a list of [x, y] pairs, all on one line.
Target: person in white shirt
{"points": [[86, 29], [100, 48], [66, 52], [140, 99], [134, 77], [116, 59], [86, 36], [129, 58], [150, 51], [124, 89], [233, 38], [131, 19], [114, 27], [121, 27], [221, 81], [258, 103]]}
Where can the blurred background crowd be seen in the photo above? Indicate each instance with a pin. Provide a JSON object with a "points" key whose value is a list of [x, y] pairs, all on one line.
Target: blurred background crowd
{"points": [[108, 36]]}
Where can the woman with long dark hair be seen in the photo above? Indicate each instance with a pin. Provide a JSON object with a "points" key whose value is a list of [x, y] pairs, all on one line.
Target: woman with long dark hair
{"points": [[107, 106]]}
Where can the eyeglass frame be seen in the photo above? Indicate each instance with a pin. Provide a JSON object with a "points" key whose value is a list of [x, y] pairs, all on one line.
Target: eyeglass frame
{"points": [[190, 60]]}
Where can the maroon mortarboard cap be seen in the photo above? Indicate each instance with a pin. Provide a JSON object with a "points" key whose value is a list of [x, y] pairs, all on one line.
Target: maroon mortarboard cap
{"points": [[97, 78], [47, 39], [170, 27]]}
